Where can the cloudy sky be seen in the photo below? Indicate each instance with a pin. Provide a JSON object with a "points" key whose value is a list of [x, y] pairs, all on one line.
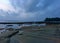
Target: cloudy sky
{"points": [[28, 10]]}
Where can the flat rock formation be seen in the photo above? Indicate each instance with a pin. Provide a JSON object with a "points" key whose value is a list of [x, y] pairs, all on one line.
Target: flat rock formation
{"points": [[5, 36]]}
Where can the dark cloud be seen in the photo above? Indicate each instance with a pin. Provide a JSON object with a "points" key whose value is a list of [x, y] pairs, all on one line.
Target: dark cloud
{"points": [[32, 10], [39, 8]]}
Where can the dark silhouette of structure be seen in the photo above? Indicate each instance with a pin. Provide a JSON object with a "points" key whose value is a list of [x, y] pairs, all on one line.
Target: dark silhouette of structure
{"points": [[52, 20]]}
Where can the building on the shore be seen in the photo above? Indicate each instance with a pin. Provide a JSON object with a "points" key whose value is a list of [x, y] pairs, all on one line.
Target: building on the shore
{"points": [[52, 21]]}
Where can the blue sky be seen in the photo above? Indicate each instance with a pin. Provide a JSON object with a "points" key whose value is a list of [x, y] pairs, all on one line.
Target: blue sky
{"points": [[28, 10]]}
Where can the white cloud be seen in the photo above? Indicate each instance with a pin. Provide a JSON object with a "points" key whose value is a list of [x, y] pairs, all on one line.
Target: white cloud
{"points": [[5, 5]]}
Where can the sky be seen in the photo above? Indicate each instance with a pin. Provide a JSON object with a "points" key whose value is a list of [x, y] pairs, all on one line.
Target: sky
{"points": [[28, 10]]}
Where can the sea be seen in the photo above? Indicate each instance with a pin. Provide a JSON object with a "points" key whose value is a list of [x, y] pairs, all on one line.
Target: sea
{"points": [[15, 26], [31, 40]]}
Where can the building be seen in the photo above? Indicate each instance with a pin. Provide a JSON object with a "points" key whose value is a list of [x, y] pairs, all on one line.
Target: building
{"points": [[54, 22]]}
